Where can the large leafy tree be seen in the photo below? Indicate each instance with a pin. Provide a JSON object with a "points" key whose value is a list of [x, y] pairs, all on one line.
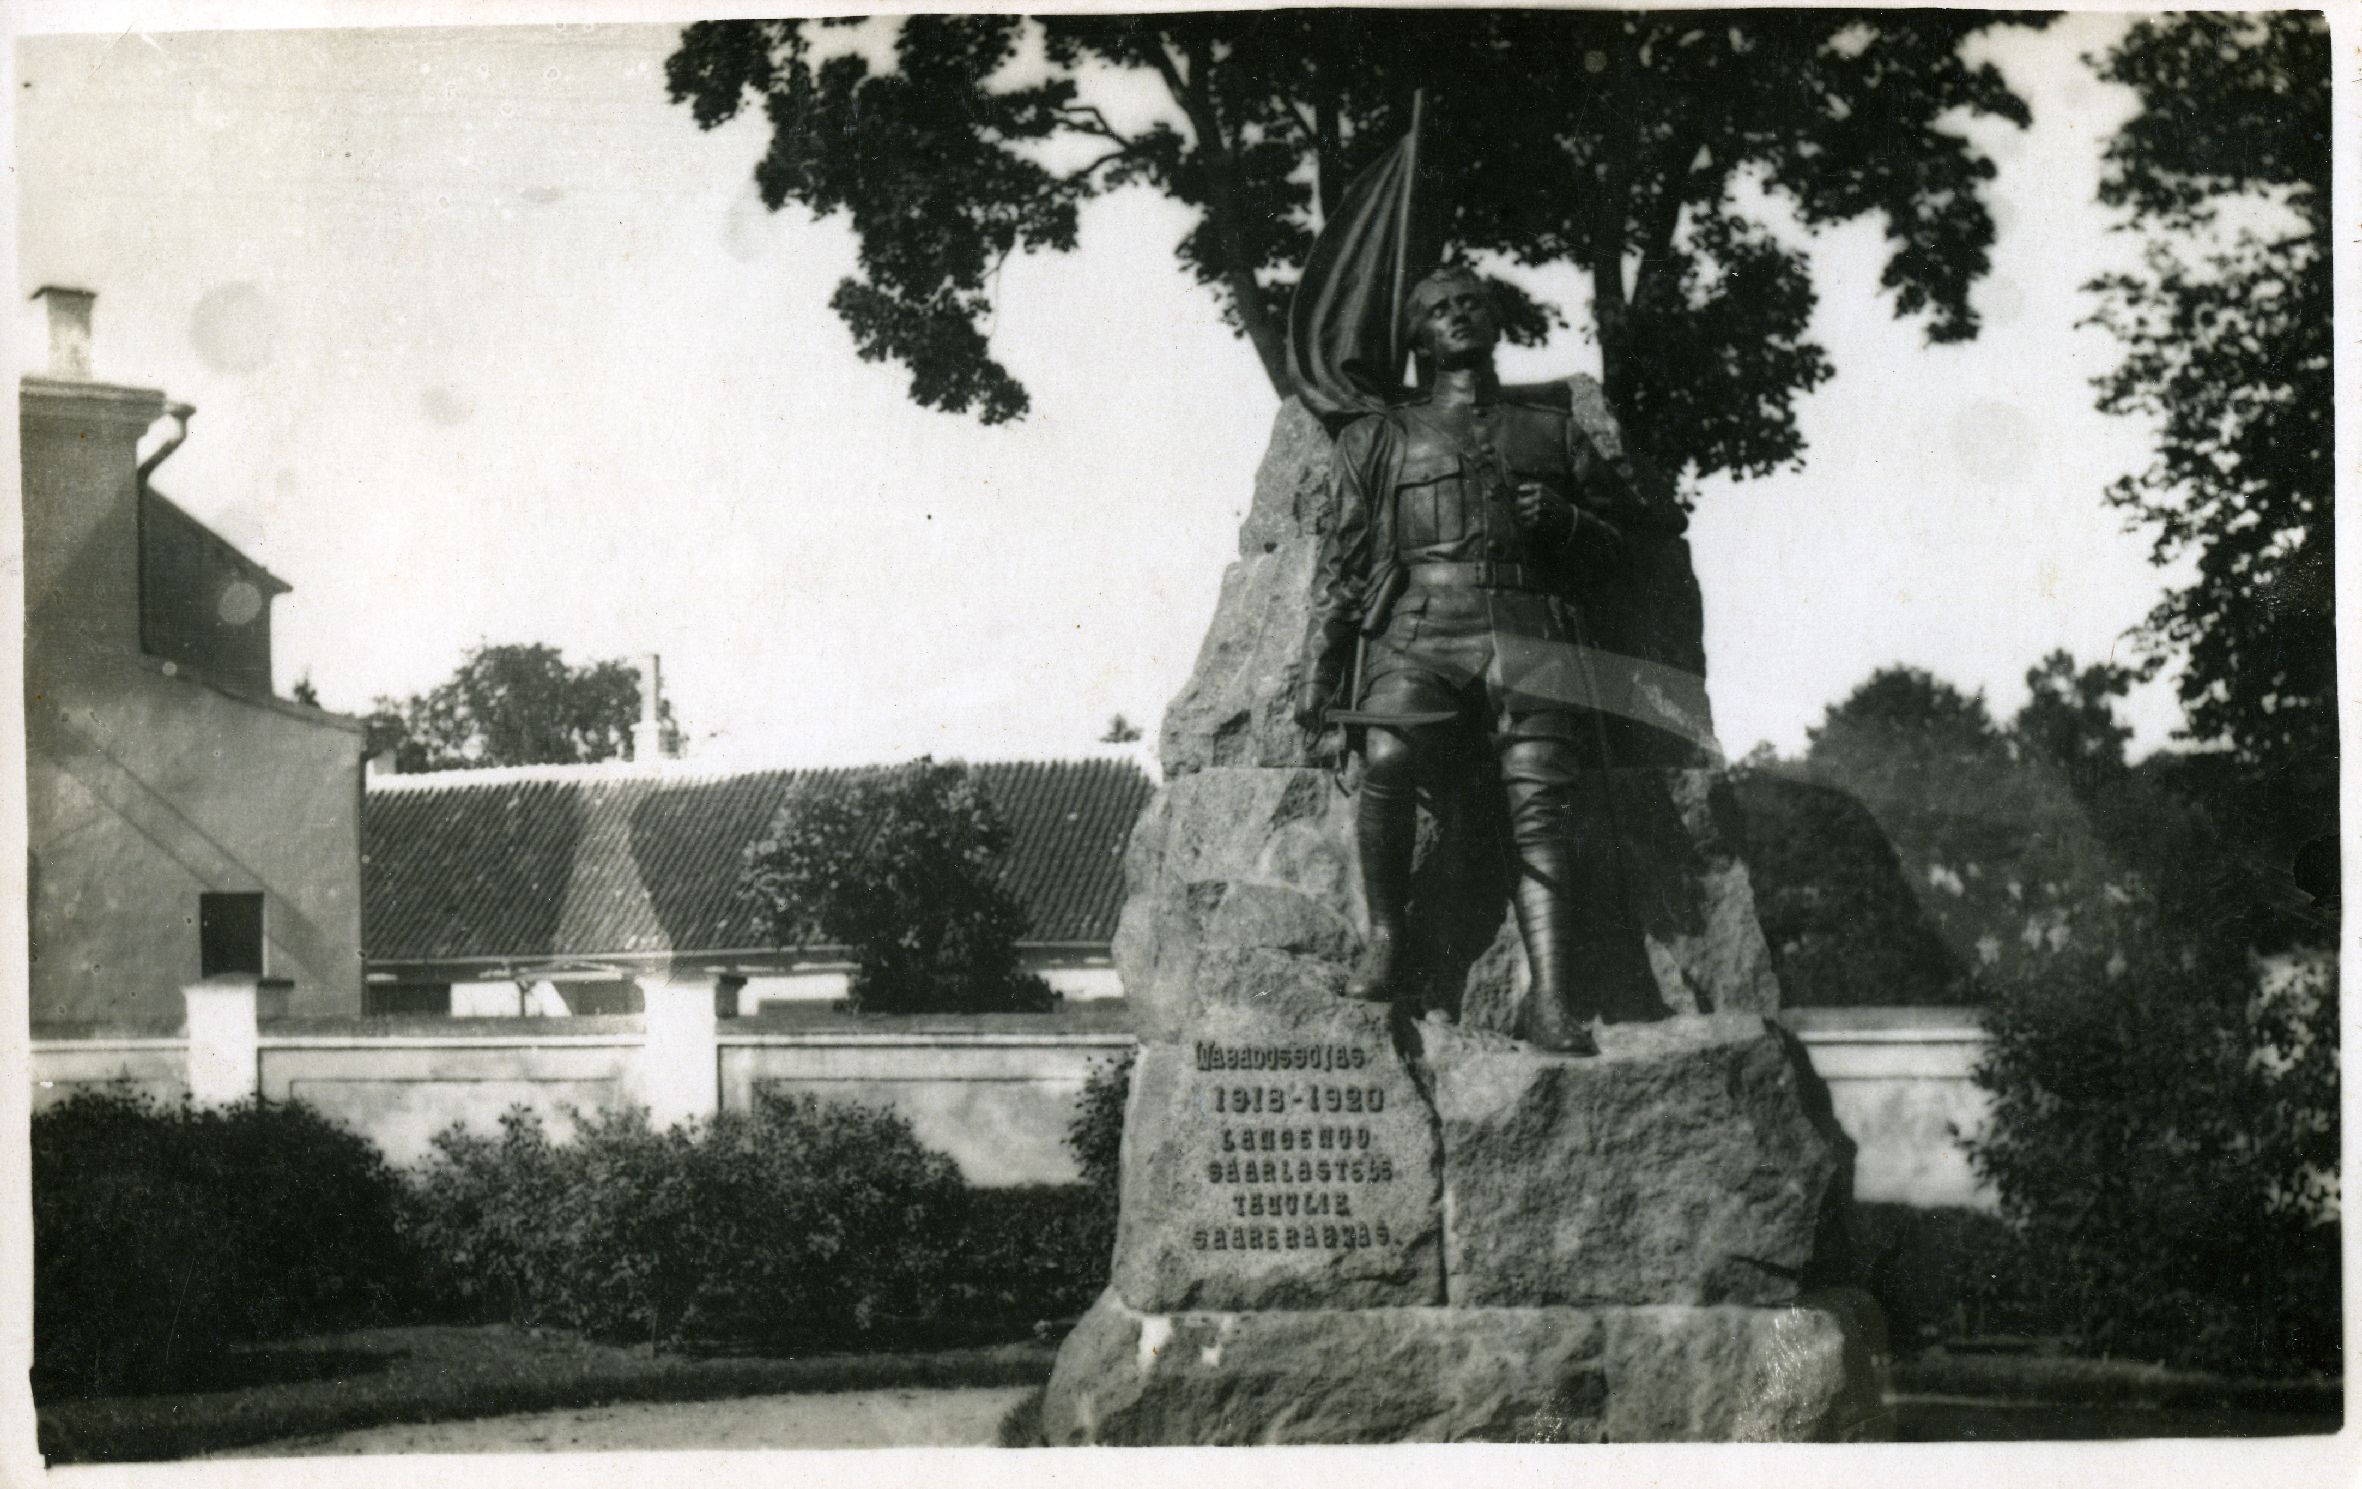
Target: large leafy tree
{"points": [[516, 705], [2227, 331], [1615, 141]]}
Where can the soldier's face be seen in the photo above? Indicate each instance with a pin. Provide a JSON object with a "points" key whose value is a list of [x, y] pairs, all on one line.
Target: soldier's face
{"points": [[1460, 328]]}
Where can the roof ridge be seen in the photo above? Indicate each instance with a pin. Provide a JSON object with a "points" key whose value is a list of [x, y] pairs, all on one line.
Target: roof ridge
{"points": [[534, 861], [686, 771]]}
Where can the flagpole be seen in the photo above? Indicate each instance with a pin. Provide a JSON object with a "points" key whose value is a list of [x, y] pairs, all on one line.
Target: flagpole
{"points": [[1402, 232]]}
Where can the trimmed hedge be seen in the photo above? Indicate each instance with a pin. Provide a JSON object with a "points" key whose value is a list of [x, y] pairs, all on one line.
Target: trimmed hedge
{"points": [[164, 1235]]}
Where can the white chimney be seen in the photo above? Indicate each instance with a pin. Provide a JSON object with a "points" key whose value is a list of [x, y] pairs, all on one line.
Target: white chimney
{"points": [[69, 330], [648, 733]]}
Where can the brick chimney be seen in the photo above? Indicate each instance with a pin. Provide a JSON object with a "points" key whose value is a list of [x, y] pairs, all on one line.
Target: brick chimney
{"points": [[69, 330], [648, 733]]}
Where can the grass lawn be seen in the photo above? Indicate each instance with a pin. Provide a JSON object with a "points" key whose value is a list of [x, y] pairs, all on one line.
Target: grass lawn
{"points": [[1942, 1397], [382, 1377], [376, 1377]]}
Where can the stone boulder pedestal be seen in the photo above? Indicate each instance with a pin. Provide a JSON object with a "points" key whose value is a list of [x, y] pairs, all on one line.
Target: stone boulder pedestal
{"points": [[1558, 1249], [1345, 1223]]}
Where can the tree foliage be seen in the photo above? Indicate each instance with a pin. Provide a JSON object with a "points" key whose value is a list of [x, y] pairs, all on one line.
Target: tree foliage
{"points": [[1615, 141], [902, 868], [2069, 721], [2012, 838], [2164, 1136], [517, 705], [2227, 332]]}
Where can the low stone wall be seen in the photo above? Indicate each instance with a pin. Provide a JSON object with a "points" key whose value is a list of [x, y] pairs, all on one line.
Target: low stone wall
{"points": [[998, 1103], [155, 1064], [996, 1093], [400, 1089]]}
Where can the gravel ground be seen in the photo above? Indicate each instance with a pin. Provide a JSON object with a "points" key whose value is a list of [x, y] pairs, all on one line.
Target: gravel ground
{"points": [[849, 1419]]}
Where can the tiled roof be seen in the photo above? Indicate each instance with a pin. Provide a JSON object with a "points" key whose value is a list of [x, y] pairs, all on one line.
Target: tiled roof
{"points": [[535, 864]]}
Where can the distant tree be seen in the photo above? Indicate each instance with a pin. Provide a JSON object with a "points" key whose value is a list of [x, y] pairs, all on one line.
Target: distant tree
{"points": [[1611, 140], [516, 705], [1120, 730], [902, 868], [2069, 721], [1998, 850], [304, 693], [1839, 910], [2227, 336], [1901, 719]]}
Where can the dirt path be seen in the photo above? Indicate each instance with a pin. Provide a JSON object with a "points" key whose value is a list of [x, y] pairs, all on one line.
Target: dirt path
{"points": [[851, 1419]]}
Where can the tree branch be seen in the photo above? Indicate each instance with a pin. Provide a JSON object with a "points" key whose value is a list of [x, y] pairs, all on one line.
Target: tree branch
{"points": [[1656, 230], [1085, 118], [1268, 337], [1110, 158], [1328, 161], [1610, 310]]}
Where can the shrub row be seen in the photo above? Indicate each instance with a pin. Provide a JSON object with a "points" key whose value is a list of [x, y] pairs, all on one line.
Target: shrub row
{"points": [[797, 1225], [164, 1235]]}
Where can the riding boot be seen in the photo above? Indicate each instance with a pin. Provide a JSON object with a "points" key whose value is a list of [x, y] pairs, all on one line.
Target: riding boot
{"points": [[1387, 825], [1555, 1017]]}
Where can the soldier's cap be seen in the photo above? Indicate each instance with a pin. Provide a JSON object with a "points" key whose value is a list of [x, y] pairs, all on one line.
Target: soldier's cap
{"points": [[1434, 286]]}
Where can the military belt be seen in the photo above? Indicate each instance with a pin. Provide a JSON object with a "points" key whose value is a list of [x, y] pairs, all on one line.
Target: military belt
{"points": [[1479, 575]]}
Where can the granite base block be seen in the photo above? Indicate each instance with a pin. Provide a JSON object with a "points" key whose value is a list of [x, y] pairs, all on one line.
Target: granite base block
{"points": [[1682, 1164], [1810, 1372]]}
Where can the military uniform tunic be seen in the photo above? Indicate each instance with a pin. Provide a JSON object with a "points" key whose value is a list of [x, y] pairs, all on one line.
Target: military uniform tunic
{"points": [[1481, 623]]}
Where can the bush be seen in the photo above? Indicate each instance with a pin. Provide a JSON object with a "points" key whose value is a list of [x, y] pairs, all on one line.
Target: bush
{"points": [[797, 1224], [1096, 1135], [2165, 1144], [164, 1234], [1943, 1273], [1027, 1257]]}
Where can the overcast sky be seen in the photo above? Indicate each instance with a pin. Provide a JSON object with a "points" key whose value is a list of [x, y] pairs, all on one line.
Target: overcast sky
{"points": [[489, 343]]}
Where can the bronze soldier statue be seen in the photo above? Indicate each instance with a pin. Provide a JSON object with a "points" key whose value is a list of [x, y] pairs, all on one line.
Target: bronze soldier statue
{"points": [[1461, 515]]}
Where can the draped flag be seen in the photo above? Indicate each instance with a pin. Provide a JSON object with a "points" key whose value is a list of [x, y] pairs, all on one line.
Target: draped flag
{"points": [[1346, 346]]}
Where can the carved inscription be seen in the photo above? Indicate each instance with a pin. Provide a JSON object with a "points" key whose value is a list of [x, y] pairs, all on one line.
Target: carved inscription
{"points": [[1279, 1158], [1291, 1168]]}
